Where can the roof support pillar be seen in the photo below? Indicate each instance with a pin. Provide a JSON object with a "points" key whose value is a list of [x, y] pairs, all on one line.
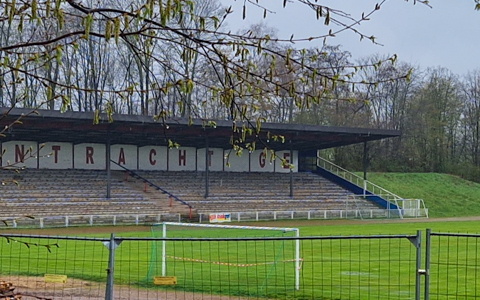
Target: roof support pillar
{"points": [[109, 173], [291, 170], [365, 160], [365, 167], [207, 168]]}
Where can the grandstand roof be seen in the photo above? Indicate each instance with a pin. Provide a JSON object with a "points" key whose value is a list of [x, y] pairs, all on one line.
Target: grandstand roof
{"points": [[78, 127]]}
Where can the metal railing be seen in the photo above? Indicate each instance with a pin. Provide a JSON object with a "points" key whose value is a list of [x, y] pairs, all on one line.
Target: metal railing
{"points": [[88, 220], [350, 212], [326, 214], [376, 190]]}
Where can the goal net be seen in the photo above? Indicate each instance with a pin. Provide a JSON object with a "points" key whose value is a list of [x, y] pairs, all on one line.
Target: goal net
{"points": [[219, 259]]}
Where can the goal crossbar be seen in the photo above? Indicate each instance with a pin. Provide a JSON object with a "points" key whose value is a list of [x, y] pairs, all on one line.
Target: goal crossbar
{"points": [[228, 226]]}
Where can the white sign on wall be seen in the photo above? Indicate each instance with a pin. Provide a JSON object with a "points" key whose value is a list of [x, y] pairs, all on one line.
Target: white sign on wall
{"points": [[289, 160], [56, 156], [90, 156], [261, 161], [215, 159], [182, 159], [124, 155], [236, 163], [20, 154], [152, 158]]}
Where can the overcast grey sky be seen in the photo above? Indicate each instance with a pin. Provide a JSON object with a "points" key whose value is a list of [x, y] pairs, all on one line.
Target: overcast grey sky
{"points": [[446, 35]]}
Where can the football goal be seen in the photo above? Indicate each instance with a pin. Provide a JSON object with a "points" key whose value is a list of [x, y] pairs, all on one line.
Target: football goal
{"points": [[253, 260]]}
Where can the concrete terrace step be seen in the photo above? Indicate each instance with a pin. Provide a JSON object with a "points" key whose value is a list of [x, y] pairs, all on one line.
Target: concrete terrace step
{"points": [[277, 206], [61, 192], [76, 202], [73, 191], [37, 213], [255, 191], [54, 198]]}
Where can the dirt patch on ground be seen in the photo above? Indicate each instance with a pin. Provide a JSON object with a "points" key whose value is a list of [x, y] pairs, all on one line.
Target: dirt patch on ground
{"points": [[31, 287]]}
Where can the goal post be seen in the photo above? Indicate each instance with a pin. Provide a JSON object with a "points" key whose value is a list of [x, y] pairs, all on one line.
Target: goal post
{"points": [[163, 228]]}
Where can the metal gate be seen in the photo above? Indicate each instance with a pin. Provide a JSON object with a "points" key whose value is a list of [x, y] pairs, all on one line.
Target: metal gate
{"points": [[452, 266]]}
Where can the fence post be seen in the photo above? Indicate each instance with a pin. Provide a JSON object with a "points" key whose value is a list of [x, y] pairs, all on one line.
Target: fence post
{"points": [[111, 245], [427, 264], [164, 250], [418, 246]]}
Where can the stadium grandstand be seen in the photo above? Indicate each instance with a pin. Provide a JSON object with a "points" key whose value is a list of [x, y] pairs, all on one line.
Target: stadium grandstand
{"points": [[63, 169]]}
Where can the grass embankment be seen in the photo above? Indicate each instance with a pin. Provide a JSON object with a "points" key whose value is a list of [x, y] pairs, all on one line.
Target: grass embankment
{"points": [[444, 195]]}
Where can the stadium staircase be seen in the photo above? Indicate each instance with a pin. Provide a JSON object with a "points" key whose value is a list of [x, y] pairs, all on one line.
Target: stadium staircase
{"points": [[395, 205], [169, 201]]}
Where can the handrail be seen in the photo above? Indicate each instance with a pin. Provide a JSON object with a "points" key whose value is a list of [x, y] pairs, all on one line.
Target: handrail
{"points": [[359, 181], [375, 190], [135, 175]]}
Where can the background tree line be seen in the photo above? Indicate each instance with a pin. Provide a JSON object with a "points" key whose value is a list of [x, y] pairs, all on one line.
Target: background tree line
{"points": [[180, 59], [438, 113]]}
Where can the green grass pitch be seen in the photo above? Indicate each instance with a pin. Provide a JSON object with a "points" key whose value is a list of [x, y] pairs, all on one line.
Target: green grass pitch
{"points": [[331, 269]]}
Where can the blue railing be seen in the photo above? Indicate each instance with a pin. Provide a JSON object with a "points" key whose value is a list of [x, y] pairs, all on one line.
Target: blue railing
{"points": [[359, 186]]}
